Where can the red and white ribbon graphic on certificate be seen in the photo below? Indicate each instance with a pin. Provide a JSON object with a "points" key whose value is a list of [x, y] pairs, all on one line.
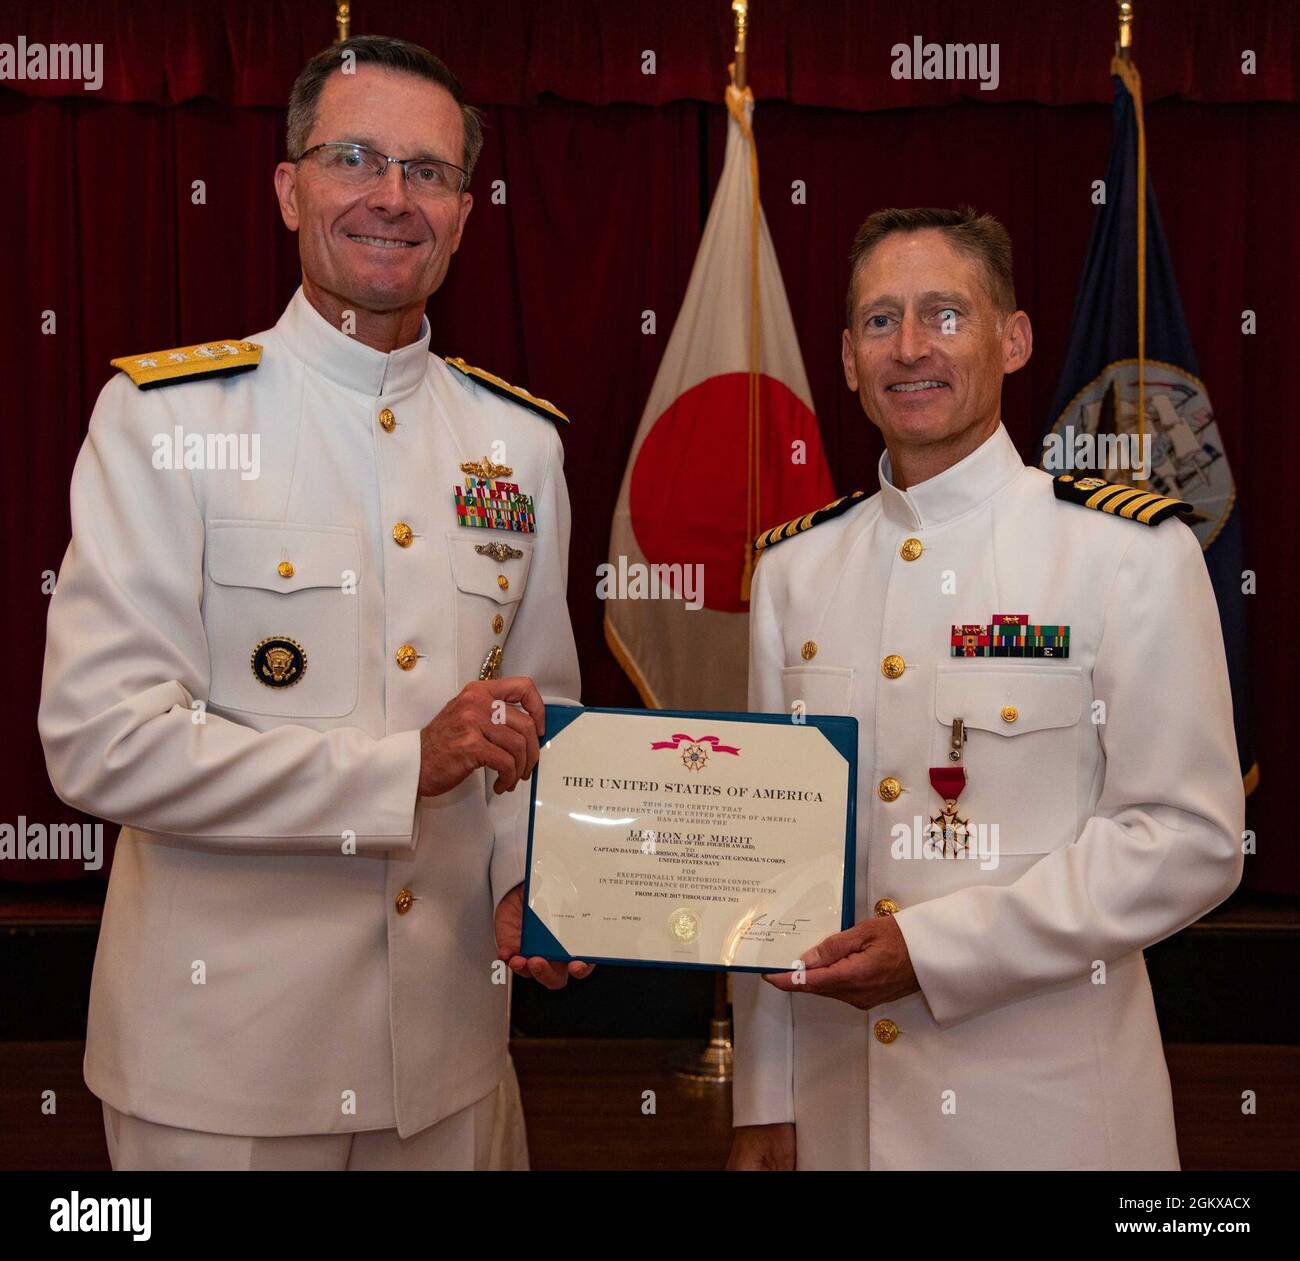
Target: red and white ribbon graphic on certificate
{"points": [[680, 738]]}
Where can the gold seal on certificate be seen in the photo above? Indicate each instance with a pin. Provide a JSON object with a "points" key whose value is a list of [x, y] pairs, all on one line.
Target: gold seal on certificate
{"points": [[690, 840], [685, 925]]}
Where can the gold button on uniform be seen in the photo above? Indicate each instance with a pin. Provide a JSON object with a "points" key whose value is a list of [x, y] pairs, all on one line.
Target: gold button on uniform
{"points": [[503, 582], [388, 420], [403, 534], [889, 789], [1010, 713], [911, 549], [893, 666], [285, 569], [403, 901], [886, 906], [885, 1030], [808, 651], [497, 623], [406, 657]]}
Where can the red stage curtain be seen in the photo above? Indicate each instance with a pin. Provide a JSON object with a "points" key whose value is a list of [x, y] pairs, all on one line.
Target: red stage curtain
{"points": [[810, 52], [606, 171]]}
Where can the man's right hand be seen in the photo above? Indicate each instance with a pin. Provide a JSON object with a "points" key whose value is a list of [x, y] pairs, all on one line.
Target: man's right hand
{"points": [[482, 725], [762, 1147]]}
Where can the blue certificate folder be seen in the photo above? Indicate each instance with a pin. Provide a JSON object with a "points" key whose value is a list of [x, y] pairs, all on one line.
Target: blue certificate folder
{"points": [[841, 732]]}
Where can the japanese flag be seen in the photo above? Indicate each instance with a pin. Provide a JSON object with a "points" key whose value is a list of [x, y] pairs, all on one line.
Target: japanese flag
{"points": [[728, 446]]}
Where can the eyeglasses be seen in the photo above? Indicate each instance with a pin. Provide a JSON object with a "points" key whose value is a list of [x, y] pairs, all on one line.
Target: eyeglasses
{"points": [[358, 166]]}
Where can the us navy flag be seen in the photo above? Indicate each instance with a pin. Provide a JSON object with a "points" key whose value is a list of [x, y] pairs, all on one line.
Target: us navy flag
{"points": [[1130, 404]]}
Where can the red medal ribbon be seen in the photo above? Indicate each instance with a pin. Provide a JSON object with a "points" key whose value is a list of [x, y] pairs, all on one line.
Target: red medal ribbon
{"points": [[948, 781]]}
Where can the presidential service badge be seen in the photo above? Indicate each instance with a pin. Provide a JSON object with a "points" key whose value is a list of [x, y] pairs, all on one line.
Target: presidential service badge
{"points": [[278, 662]]}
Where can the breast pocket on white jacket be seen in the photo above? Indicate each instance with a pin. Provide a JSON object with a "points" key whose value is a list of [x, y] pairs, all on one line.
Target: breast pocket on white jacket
{"points": [[819, 689], [491, 573], [281, 608], [1022, 749]]}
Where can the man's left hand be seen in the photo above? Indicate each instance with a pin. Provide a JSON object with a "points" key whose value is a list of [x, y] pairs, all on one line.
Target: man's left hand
{"points": [[509, 926], [863, 966]]}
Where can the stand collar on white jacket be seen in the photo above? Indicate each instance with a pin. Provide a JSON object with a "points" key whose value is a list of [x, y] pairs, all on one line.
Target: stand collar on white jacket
{"points": [[970, 482], [345, 360]]}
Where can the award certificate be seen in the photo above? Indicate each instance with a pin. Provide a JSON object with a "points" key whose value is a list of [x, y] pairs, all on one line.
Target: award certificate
{"points": [[677, 839]]}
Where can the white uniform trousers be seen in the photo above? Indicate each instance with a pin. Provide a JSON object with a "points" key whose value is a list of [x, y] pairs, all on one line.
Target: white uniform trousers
{"points": [[488, 1134]]}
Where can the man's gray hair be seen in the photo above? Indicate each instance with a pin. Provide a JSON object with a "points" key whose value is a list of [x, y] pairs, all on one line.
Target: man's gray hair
{"points": [[375, 50]]}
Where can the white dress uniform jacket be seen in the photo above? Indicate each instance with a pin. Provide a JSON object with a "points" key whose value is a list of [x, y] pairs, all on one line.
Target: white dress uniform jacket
{"points": [[1111, 775], [253, 976]]}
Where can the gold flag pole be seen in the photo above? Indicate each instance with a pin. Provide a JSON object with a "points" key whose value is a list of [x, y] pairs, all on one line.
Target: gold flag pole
{"points": [[714, 1062], [1122, 65], [737, 95], [343, 20], [740, 11], [1125, 45]]}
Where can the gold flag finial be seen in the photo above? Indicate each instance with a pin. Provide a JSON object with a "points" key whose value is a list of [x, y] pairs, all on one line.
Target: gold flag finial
{"points": [[343, 20], [1125, 44], [740, 11]]}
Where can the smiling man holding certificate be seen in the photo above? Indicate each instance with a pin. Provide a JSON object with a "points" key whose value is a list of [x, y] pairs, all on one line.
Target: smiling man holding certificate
{"points": [[1049, 772], [288, 688]]}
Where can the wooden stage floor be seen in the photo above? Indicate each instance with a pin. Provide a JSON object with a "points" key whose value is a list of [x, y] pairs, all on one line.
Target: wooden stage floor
{"points": [[583, 1101]]}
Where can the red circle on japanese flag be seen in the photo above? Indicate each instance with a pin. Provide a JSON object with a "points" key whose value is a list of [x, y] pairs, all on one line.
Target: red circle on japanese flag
{"points": [[688, 493]]}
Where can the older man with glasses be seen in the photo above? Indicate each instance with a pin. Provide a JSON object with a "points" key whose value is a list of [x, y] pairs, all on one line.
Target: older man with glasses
{"points": [[309, 684]]}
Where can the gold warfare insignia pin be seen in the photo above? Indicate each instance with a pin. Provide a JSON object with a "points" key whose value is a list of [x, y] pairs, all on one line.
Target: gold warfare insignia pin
{"points": [[684, 925], [279, 662], [486, 470]]}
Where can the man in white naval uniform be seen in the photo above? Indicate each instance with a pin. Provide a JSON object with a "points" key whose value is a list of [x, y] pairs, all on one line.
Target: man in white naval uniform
{"points": [[991, 1008], [284, 679]]}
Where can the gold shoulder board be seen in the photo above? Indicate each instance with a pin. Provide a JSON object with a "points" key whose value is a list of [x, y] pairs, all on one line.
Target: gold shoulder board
{"points": [[787, 531], [1119, 500], [494, 383], [185, 363]]}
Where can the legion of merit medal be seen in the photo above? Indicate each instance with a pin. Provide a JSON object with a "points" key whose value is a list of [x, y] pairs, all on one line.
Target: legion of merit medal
{"points": [[947, 830]]}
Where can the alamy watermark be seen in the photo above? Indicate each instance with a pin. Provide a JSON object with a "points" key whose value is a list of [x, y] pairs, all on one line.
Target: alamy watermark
{"points": [[95, 1214], [181, 450], [1072, 449], [80, 842], [919, 60], [925, 838], [25, 60], [636, 580]]}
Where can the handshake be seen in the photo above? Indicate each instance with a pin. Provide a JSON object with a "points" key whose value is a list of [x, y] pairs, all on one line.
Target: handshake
{"points": [[496, 724]]}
